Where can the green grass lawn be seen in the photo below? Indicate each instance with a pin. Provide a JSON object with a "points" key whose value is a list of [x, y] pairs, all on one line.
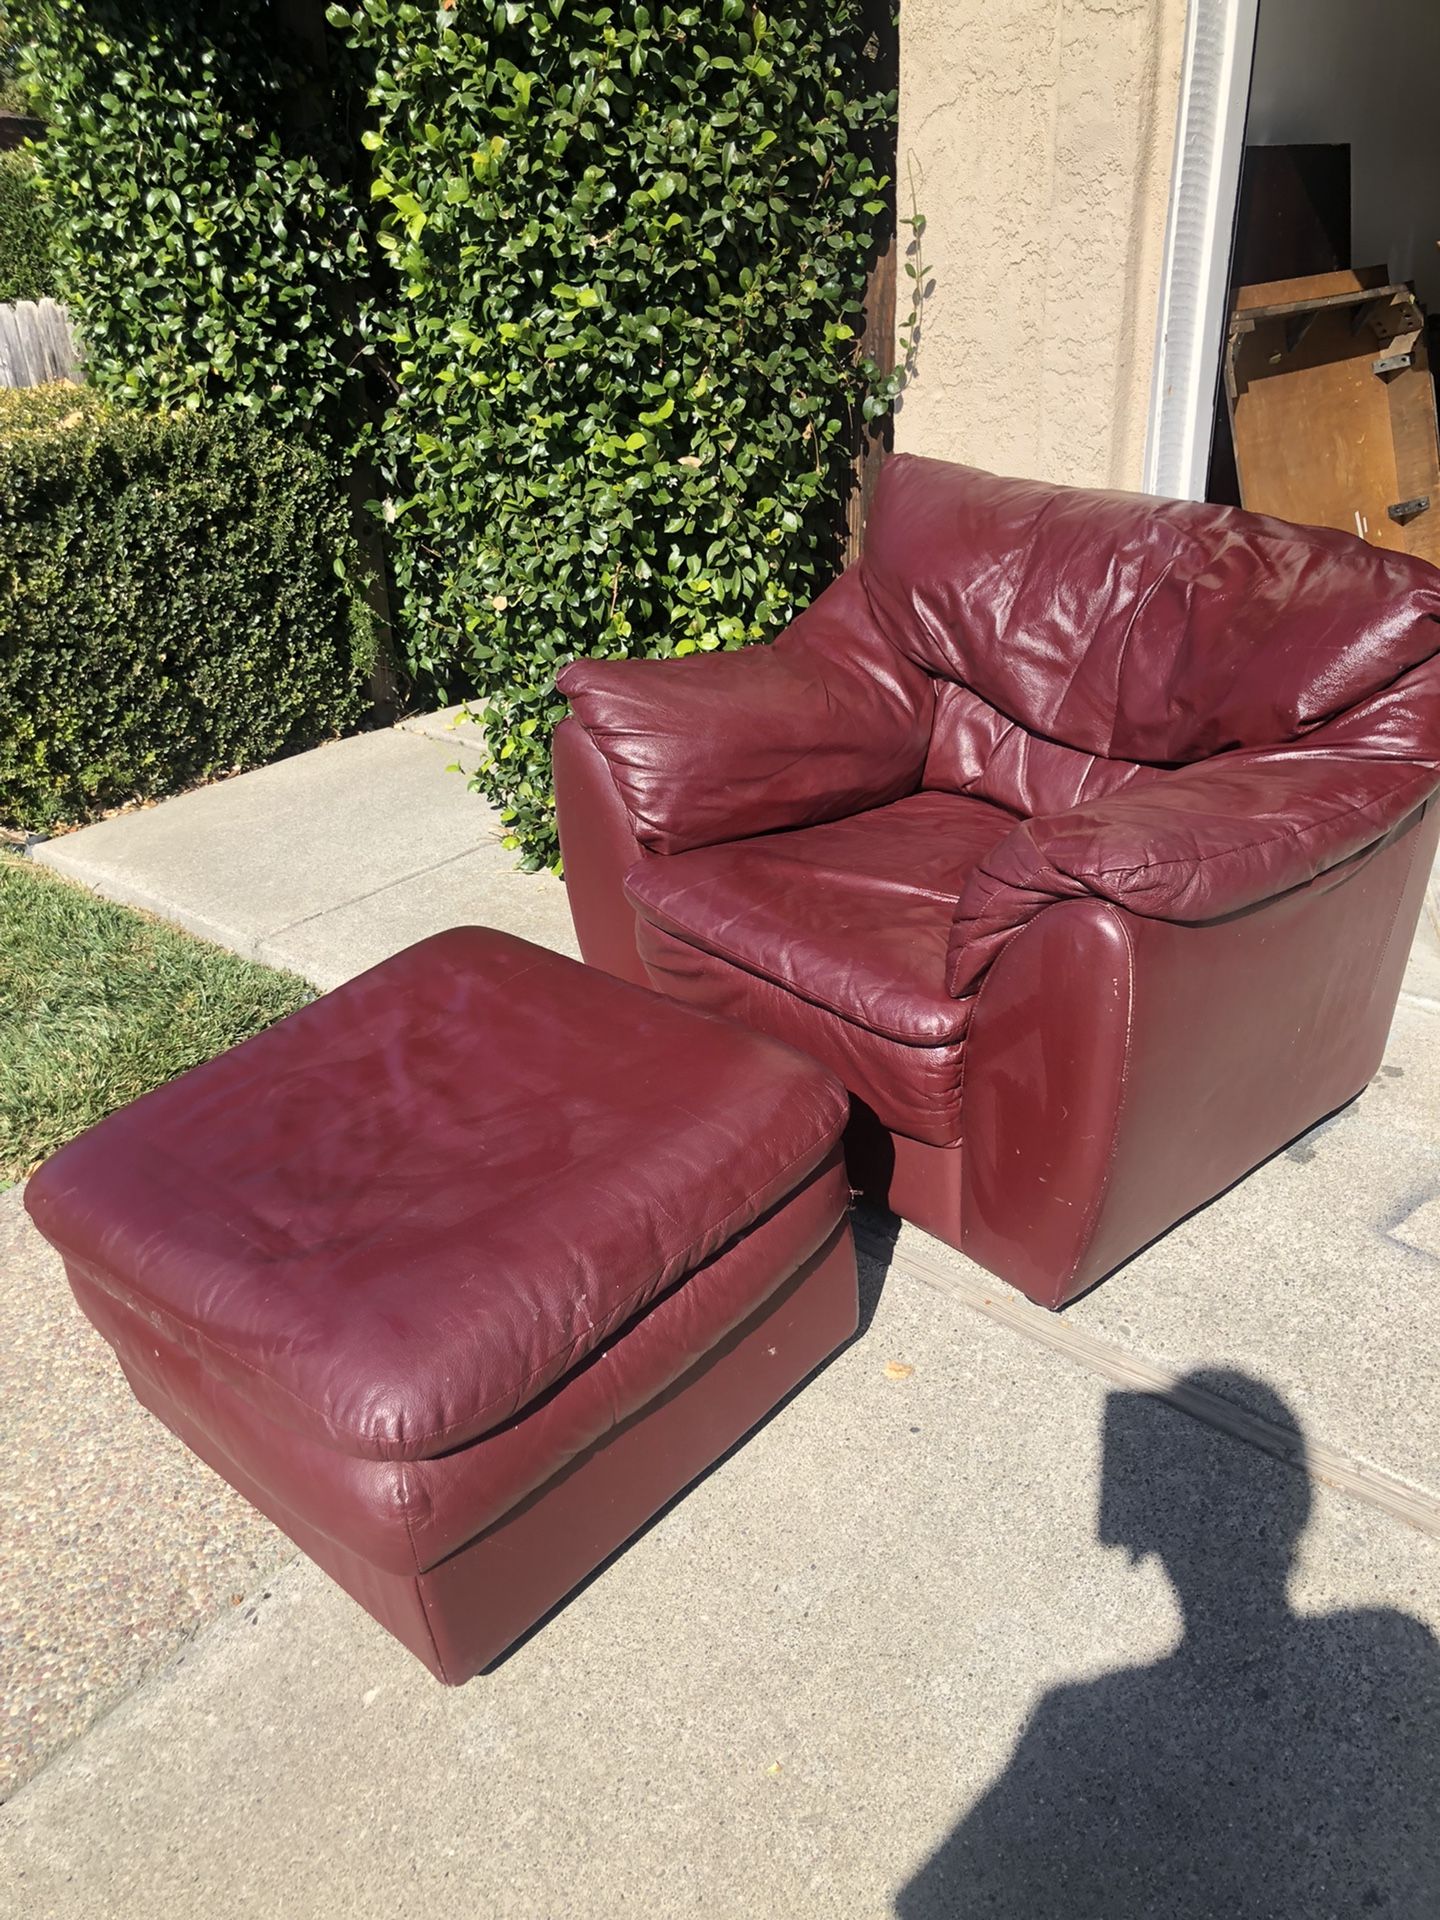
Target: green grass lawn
{"points": [[98, 1004]]}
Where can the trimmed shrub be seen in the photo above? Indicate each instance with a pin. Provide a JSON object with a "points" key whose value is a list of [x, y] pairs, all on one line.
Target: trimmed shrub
{"points": [[13, 97], [26, 269], [617, 336], [630, 248], [173, 603], [208, 239]]}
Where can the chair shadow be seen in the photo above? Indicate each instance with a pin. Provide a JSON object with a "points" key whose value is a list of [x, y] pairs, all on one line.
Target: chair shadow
{"points": [[1275, 1765], [876, 1232]]}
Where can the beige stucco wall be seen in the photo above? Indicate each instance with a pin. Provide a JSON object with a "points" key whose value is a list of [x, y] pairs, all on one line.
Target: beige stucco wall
{"points": [[1039, 135]]}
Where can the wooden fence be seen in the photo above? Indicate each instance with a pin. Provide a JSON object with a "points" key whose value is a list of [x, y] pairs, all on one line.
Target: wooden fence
{"points": [[36, 344]]}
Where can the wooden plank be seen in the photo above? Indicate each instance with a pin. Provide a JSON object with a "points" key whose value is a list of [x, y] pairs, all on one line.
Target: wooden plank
{"points": [[36, 344], [1320, 438], [64, 359], [1416, 444], [26, 357], [44, 344], [1331, 1466], [1243, 320], [871, 440], [52, 353], [1284, 294], [877, 343]]}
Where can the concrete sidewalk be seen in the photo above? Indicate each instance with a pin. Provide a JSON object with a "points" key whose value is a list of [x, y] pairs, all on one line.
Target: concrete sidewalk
{"points": [[801, 1691], [799, 1687], [325, 863]]}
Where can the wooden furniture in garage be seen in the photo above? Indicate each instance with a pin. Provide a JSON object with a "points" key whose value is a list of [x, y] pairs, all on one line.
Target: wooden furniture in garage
{"points": [[1332, 407]]}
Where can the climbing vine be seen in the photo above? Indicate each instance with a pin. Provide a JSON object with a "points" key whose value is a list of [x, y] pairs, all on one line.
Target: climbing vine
{"points": [[629, 247], [209, 239]]}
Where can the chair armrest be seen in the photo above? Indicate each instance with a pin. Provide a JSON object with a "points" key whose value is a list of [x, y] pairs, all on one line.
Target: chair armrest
{"points": [[1192, 845], [598, 848], [1122, 1070], [826, 721]]}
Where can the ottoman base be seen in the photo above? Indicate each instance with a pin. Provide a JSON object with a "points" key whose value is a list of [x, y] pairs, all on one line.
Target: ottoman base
{"points": [[462, 1614]]}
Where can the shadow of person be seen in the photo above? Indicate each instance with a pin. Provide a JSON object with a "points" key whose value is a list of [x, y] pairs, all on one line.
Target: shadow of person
{"points": [[1275, 1765]]}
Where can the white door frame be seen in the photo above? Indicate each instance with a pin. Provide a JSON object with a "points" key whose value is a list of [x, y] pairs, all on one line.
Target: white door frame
{"points": [[1204, 189]]}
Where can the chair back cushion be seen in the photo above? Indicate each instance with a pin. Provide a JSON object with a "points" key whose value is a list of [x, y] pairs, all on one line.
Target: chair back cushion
{"points": [[1150, 632], [976, 751]]}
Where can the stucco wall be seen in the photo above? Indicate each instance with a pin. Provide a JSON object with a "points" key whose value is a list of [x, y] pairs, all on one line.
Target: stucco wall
{"points": [[1040, 136]]}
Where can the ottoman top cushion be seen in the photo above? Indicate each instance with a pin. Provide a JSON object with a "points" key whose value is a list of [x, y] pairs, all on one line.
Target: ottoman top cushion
{"points": [[398, 1216]]}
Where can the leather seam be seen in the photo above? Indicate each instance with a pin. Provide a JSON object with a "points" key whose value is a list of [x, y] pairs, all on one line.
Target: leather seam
{"points": [[616, 1318], [1385, 944], [429, 1625], [604, 758], [806, 870], [912, 888], [1129, 771], [419, 1589], [719, 951], [1119, 915], [1141, 606], [403, 1466], [975, 999], [1221, 853], [1102, 1193]]}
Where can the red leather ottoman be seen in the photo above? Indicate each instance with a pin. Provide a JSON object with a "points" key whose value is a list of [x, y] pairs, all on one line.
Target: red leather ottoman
{"points": [[462, 1272]]}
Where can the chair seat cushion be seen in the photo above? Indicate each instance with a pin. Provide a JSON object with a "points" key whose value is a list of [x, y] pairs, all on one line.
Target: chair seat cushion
{"points": [[910, 1090], [398, 1217], [854, 916]]}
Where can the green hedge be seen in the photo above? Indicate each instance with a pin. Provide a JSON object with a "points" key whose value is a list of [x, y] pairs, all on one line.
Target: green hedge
{"points": [[629, 248], [618, 327], [13, 97], [209, 242], [173, 603], [27, 271]]}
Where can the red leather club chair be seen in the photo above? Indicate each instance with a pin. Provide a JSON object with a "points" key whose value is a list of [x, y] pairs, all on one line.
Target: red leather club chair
{"points": [[1083, 835]]}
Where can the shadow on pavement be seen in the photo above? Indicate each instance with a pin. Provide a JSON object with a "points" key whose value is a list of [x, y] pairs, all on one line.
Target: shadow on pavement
{"points": [[1276, 1766]]}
